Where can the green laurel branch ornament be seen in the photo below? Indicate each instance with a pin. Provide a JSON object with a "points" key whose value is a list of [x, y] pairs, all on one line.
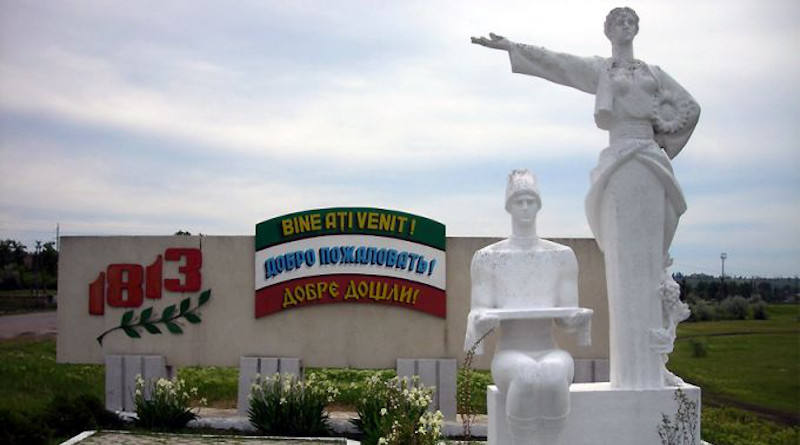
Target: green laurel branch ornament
{"points": [[170, 318]]}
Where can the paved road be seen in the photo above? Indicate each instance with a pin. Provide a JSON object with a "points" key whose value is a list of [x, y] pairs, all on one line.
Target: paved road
{"points": [[35, 323]]}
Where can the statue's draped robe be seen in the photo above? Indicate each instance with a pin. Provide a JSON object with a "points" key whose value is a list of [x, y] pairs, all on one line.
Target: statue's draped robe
{"points": [[634, 202]]}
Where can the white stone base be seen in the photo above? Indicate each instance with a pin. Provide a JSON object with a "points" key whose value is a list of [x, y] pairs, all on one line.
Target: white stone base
{"points": [[249, 367], [437, 373], [601, 415], [121, 372]]}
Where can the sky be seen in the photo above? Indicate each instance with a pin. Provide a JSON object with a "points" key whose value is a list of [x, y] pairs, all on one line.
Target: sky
{"points": [[149, 117]]}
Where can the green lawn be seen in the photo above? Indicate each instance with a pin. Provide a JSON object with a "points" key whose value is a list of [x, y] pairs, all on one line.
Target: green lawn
{"points": [[729, 426], [782, 319], [754, 362], [753, 365], [30, 376], [756, 369]]}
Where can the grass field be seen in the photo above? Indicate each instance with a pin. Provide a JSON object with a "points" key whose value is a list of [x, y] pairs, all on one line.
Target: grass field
{"points": [[751, 364], [30, 376], [751, 373]]}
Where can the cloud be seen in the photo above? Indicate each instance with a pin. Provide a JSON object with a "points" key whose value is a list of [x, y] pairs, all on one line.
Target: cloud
{"points": [[218, 115]]}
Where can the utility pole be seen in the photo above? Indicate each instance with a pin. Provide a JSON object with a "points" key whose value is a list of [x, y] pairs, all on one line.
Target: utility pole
{"points": [[723, 256], [37, 267]]}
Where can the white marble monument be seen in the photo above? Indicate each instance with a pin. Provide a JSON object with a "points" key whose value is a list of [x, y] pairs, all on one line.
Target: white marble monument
{"points": [[635, 202], [523, 285], [633, 208]]}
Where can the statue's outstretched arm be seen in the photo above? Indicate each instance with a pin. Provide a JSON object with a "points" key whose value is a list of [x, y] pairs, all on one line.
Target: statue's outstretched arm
{"points": [[582, 73], [494, 41], [565, 69]]}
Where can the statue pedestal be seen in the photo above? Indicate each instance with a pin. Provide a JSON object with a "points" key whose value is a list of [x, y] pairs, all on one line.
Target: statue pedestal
{"points": [[601, 415]]}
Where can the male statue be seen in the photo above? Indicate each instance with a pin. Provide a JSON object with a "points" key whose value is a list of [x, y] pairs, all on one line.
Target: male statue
{"points": [[522, 284]]}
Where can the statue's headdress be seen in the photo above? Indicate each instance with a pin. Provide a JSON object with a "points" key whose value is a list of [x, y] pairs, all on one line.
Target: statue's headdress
{"points": [[521, 181]]}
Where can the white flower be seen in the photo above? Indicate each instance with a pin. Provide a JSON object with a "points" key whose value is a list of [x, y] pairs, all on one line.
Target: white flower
{"points": [[384, 411]]}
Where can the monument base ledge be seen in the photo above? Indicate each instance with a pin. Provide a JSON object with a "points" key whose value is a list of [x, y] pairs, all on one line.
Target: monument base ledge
{"points": [[602, 415]]}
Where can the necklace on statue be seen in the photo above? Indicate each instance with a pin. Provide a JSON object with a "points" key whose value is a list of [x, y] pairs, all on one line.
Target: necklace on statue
{"points": [[625, 67]]}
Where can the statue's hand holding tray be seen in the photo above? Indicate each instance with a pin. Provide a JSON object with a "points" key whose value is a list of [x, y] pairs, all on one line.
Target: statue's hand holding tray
{"points": [[570, 318]]}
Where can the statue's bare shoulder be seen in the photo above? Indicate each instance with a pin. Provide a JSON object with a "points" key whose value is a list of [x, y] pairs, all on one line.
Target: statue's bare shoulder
{"points": [[549, 246], [492, 252]]}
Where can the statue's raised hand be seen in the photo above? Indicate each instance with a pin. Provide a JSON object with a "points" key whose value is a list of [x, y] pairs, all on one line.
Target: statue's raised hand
{"points": [[494, 41]]}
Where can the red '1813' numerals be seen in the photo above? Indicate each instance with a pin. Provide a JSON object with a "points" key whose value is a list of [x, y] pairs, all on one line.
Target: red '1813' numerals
{"points": [[126, 285]]}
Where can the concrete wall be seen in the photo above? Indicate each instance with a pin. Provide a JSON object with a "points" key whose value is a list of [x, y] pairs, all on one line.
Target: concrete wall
{"points": [[334, 335]]}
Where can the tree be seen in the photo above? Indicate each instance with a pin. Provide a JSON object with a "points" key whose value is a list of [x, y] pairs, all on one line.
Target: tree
{"points": [[48, 259], [702, 290], [11, 252], [686, 289], [765, 290]]}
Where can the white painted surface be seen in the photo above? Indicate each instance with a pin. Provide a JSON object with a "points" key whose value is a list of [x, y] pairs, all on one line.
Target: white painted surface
{"points": [[338, 335], [602, 415], [120, 381], [634, 202]]}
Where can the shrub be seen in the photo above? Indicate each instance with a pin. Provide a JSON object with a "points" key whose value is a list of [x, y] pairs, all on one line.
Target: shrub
{"points": [[680, 428], [470, 387], [759, 309], [699, 347], [163, 406], [217, 385], [370, 409], [20, 429], [735, 308], [70, 415], [702, 311], [351, 383], [730, 426], [395, 412], [475, 393], [285, 406]]}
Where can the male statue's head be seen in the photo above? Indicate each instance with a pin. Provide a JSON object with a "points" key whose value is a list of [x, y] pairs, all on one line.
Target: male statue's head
{"points": [[522, 197], [621, 25]]}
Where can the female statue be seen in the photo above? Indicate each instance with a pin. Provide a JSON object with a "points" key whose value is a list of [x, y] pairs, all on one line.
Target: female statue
{"points": [[634, 202]]}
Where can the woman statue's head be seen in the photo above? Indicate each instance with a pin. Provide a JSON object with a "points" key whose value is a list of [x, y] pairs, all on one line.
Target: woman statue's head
{"points": [[622, 25]]}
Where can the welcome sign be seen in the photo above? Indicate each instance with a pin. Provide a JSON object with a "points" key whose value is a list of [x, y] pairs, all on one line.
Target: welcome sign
{"points": [[350, 255]]}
